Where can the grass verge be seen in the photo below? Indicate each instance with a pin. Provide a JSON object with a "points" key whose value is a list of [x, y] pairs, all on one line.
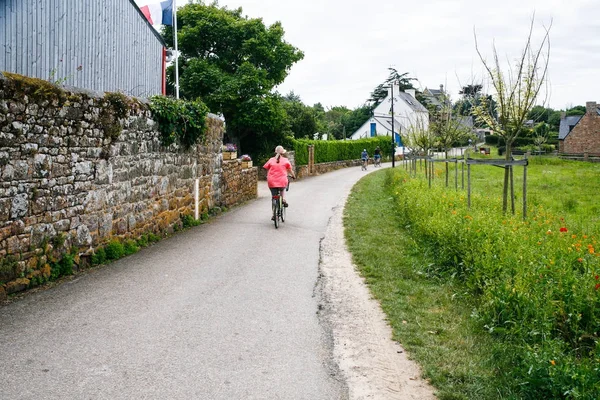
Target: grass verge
{"points": [[430, 315]]}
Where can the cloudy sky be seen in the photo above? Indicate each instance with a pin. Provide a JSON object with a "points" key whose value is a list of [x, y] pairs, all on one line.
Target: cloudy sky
{"points": [[349, 44]]}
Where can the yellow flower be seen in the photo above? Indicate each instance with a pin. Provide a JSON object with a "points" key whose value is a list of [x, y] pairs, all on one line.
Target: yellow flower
{"points": [[552, 362]]}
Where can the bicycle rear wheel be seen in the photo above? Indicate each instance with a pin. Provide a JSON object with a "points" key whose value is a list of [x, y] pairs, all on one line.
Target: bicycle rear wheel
{"points": [[276, 213], [282, 212]]}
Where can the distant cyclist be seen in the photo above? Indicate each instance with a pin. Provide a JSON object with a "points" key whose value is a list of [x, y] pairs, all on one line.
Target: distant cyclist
{"points": [[377, 155], [278, 168], [364, 156]]}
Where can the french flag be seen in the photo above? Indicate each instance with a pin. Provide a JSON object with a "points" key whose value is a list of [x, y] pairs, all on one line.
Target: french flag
{"points": [[157, 11]]}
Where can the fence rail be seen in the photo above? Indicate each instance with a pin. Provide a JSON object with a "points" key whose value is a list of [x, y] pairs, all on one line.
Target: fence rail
{"points": [[590, 157]]}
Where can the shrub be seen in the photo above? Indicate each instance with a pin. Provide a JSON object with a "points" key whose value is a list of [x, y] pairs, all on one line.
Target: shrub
{"points": [[130, 247], [339, 150], [189, 221], [179, 120], [99, 256], [536, 282], [114, 250]]}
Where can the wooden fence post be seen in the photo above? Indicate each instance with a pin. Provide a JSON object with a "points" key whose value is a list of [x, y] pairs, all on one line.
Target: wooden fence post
{"points": [[456, 174], [524, 192], [469, 186]]}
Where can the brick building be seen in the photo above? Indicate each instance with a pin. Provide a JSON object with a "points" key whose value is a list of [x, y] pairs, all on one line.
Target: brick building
{"points": [[579, 134]]}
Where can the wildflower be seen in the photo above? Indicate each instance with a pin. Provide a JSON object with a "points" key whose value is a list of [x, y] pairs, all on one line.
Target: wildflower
{"points": [[468, 217], [453, 212], [552, 362], [585, 236], [573, 236], [591, 249], [597, 286], [563, 229], [580, 259], [548, 232], [539, 243], [596, 277]]}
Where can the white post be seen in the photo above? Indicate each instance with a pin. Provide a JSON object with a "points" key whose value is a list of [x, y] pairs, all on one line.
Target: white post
{"points": [[176, 50], [196, 195]]}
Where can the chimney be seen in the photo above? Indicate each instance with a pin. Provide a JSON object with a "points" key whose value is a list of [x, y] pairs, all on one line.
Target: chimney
{"points": [[591, 107], [396, 86], [412, 92]]}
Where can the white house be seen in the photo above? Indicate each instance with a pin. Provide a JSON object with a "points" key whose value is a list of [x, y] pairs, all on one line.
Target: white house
{"points": [[408, 113]]}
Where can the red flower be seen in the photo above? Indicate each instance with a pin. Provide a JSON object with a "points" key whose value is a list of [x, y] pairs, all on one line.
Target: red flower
{"points": [[563, 229], [597, 277], [597, 286]]}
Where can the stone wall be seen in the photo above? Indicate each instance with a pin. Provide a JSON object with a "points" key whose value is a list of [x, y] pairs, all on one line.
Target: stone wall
{"points": [[237, 184], [585, 136], [322, 168], [75, 176]]}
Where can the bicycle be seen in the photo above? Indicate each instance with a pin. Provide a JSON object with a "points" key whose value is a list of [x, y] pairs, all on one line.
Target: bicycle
{"points": [[277, 205], [377, 161], [364, 164]]}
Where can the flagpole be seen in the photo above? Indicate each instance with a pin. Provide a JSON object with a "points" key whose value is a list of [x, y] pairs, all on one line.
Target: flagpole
{"points": [[176, 49]]}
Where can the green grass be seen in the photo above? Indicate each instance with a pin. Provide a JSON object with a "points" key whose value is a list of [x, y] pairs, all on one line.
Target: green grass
{"points": [[430, 316], [568, 188], [491, 306]]}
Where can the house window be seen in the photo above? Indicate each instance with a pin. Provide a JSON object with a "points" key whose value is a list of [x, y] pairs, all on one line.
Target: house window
{"points": [[373, 129]]}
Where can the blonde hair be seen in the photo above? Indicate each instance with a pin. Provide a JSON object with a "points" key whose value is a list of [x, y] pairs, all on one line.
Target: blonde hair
{"points": [[279, 150]]}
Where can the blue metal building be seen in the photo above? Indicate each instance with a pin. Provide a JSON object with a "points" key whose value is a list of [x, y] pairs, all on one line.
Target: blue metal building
{"points": [[101, 45]]}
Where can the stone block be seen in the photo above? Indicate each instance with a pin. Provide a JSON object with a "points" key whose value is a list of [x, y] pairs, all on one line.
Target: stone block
{"points": [[19, 206], [17, 285], [82, 237]]}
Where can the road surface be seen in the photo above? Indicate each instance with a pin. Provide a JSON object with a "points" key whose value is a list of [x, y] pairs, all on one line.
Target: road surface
{"points": [[226, 310]]}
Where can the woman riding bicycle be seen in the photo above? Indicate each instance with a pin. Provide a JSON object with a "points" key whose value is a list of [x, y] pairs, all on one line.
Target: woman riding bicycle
{"points": [[278, 168]]}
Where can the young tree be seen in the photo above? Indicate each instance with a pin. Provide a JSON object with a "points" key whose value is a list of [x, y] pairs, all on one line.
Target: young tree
{"points": [[540, 134], [232, 63], [516, 90]]}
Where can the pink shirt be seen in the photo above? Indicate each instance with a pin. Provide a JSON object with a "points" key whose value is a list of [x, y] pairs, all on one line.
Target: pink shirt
{"points": [[277, 172]]}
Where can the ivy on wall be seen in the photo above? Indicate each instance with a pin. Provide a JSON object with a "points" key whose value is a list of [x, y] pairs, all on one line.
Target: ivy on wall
{"points": [[178, 120]]}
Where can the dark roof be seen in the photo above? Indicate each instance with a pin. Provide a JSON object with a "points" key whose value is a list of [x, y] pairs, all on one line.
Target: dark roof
{"points": [[435, 92], [465, 121], [412, 102], [567, 124]]}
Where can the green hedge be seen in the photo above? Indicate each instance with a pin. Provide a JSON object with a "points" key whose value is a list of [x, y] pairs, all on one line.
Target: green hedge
{"points": [[339, 150]]}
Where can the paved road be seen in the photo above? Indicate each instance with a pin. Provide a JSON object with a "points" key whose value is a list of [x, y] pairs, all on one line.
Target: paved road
{"points": [[226, 310]]}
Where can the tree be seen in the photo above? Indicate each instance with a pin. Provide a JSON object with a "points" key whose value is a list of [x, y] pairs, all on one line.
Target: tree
{"points": [[577, 110], [301, 118], [334, 122], [471, 91], [356, 118], [540, 134], [380, 92], [540, 114], [232, 63], [517, 89]]}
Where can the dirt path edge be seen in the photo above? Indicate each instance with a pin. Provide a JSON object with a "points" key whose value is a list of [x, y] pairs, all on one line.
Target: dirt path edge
{"points": [[372, 364]]}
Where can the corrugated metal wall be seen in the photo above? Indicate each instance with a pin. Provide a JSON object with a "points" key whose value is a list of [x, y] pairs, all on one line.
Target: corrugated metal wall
{"points": [[103, 45]]}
